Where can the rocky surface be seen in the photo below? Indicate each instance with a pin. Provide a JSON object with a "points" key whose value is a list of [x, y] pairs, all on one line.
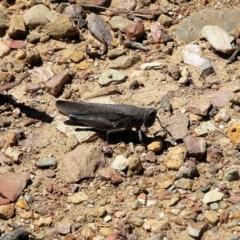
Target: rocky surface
{"points": [[61, 181]]}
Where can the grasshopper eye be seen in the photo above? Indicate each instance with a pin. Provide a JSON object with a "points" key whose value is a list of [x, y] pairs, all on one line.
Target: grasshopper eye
{"points": [[149, 117]]}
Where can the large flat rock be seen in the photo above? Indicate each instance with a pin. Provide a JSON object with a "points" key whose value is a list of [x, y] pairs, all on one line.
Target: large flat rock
{"points": [[191, 26]]}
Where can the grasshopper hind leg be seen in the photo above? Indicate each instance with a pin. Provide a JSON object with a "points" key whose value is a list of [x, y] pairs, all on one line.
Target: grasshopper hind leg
{"points": [[110, 132]]}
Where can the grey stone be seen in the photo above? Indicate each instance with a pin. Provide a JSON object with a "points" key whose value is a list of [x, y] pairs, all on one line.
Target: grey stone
{"points": [[165, 20], [36, 16], [235, 236], [187, 170], [214, 206], [232, 175], [177, 125], [124, 62], [46, 162], [196, 229], [99, 29], [184, 183], [190, 27], [33, 38], [119, 23], [206, 68], [205, 189], [111, 76]]}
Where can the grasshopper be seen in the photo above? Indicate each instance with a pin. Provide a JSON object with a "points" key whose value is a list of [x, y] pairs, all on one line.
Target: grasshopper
{"points": [[108, 117]]}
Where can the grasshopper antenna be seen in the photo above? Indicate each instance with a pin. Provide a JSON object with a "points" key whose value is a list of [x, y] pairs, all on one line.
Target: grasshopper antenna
{"points": [[165, 100], [160, 123]]}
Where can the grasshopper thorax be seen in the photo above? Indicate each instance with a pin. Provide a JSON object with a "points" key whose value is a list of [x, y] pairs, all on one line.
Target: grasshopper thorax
{"points": [[149, 117]]}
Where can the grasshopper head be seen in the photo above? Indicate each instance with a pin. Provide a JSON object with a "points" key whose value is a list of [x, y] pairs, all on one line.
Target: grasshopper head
{"points": [[149, 117]]}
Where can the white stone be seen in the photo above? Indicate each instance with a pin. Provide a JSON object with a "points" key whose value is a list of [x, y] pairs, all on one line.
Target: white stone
{"points": [[218, 38], [212, 196], [191, 56], [119, 163], [204, 128], [152, 65], [107, 218], [77, 198]]}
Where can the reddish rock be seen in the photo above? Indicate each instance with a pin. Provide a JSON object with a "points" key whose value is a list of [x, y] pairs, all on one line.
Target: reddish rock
{"points": [[200, 107], [81, 163], [224, 217], [164, 195], [234, 200], [12, 184], [15, 44], [54, 85], [151, 156], [4, 201], [70, 237], [111, 237], [110, 174], [50, 173], [219, 98], [135, 31], [174, 72], [157, 30], [196, 146], [214, 155], [49, 187], [142, 198]]}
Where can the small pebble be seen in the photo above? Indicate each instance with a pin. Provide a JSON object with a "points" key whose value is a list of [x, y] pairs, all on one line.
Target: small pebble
{"points": [[232, 175], [46, 162]]}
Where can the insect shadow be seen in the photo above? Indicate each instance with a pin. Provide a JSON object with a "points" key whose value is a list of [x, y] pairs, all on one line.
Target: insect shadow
{"points": [[126, 136], [29, 111]]}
